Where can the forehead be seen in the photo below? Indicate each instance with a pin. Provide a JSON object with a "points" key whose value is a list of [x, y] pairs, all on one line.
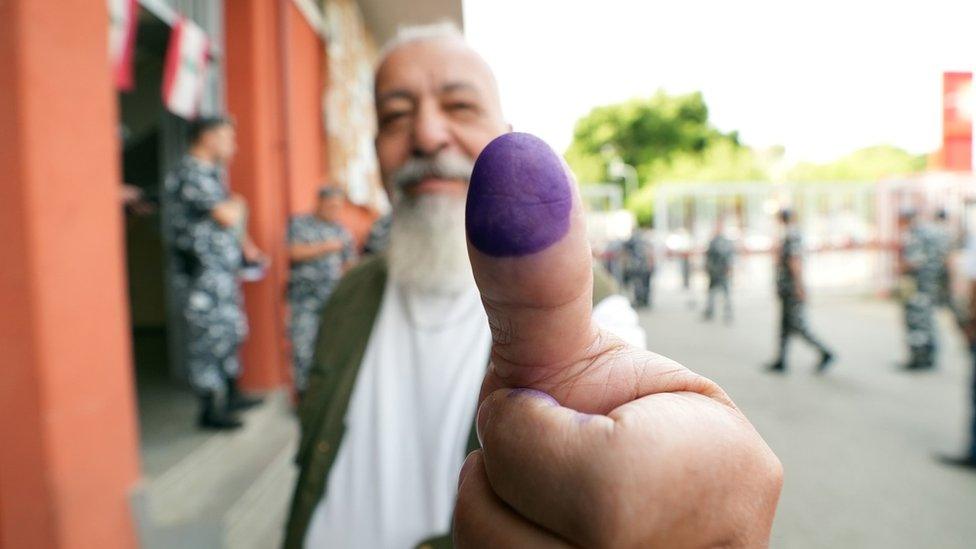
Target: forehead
{"points": [[427, 65]]}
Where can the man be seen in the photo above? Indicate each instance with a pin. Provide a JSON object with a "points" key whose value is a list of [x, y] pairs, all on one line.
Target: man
{"points": [[718, 267], [389, 411], [967, 322], [379, 235], [320, 250], [639, 268], [945, 242], [919, 258], [792, 296], [205, 229]]}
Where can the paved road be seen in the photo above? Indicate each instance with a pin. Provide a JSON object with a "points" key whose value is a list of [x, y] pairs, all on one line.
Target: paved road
{"points": [[857, 443]]}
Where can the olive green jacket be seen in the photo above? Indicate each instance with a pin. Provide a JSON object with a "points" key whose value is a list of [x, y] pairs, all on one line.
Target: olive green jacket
{"points": [[348, 320]]}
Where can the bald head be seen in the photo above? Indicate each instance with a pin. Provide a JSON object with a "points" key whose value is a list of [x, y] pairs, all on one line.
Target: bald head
{"points": [[437, 103]]}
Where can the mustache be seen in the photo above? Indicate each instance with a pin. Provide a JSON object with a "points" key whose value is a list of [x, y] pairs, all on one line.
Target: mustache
{"points": [[442, 166]]}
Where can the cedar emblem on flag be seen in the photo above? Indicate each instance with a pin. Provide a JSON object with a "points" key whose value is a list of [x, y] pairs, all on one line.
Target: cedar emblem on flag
{"points": [[123, 16], [186, 68]]}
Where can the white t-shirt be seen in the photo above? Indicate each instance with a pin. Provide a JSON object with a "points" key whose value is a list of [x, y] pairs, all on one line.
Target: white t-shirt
{"points": [[394, 480]]}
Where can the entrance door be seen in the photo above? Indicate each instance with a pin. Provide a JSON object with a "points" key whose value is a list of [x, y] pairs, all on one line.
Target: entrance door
{"points": [[153, 142]]}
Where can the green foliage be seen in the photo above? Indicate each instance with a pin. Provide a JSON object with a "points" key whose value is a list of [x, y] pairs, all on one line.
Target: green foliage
{"points": [[868, 164], [719, 162], [641, 204], [669, 138], [665, 138]]}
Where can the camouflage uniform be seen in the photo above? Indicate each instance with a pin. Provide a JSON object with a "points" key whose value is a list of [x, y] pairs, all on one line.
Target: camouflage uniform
{"points": [[922, 262], [310, 285], [718, 263], [793, 310], [638, 269], [208, 256], [379, 235], [944, 244]]}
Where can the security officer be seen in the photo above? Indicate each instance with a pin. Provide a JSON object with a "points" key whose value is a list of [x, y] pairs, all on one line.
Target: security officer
{"points": [[379, 235], [204, 222], [945, 243], [792, 296], [639, 268], [966, 317], [920, 265], [320, 250], [718, 266]]}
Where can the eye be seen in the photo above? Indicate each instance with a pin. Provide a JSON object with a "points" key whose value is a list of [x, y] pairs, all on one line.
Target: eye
{"points": [[392, 117], [460, 106]]}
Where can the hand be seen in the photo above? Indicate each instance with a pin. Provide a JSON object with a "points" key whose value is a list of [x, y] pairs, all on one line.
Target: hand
{"points": [[610, 446], [331, 246], [251, 252], [801, 295]]}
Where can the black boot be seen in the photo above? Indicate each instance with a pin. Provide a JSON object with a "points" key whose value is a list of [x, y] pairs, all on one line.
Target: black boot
{"points": [[964, 462], [213, 414], [778, 367], [238, 401], [826, 357]]}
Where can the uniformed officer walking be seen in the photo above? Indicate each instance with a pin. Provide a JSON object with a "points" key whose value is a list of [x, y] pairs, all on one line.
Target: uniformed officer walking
{"points": [[792, 296], [945, 242], [921, 263], [320, 250], [639, 268], [718, 267], [204, 224], [966, 316]]}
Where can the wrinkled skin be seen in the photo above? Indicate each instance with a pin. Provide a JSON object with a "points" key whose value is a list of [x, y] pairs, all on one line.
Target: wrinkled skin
{"points": [[613, 446]]}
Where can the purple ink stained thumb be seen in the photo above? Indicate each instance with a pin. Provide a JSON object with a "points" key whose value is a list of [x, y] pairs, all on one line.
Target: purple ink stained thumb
{"points": [[520, 197]]}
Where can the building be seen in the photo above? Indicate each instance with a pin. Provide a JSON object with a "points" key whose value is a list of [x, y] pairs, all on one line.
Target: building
{"points": [[84, 316]]}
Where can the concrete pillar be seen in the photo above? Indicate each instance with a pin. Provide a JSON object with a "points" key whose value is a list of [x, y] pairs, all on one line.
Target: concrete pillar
{"points": [[69, 452], [254, 86]]}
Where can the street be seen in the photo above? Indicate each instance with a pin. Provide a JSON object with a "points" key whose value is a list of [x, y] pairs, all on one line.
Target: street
{"points": [[857, 443]]}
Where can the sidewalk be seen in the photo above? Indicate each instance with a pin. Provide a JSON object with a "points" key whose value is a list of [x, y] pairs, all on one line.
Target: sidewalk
{"points": [[857, 443]]}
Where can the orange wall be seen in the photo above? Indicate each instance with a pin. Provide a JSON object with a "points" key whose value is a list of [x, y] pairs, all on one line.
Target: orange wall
{"points": [[281, 158], [69, 453], [306, 132], [306, 135], [258, 173]]}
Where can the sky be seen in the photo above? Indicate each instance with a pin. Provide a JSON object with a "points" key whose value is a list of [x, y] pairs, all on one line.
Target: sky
{"points": [[821, 78]]}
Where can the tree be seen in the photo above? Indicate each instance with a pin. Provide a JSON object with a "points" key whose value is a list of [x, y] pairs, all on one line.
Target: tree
{"points": [[645, 133], [665, 138], [868, 164]]}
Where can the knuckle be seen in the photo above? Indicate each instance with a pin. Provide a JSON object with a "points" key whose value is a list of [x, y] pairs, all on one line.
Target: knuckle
{"points": [[464, 515]]}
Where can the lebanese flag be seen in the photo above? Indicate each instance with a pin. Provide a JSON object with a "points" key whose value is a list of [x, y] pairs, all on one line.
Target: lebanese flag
{"points": [[186, 68], [123, 17]]}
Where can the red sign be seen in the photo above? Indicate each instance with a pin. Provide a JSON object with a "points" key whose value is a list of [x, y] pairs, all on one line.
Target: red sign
{"points": [[958, 102]]}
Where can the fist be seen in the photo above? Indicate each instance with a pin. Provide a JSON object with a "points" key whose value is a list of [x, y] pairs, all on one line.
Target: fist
{"points": [[587, 441]]}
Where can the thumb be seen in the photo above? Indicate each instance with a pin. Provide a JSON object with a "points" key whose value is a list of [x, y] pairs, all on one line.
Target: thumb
{"points": [[531, 259]]}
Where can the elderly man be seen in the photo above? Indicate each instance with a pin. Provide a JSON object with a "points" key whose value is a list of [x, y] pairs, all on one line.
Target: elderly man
{"points": [[587, 440]]}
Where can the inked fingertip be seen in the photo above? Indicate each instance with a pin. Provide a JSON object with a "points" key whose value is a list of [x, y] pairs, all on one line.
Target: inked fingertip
{"points": [[520, 197]]}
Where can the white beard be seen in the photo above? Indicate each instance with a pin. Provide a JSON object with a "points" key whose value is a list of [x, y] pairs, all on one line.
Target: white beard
{"points": [[428, 250]]}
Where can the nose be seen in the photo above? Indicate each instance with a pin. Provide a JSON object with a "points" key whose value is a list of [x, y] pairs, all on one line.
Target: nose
{"points": [[431, 132]]}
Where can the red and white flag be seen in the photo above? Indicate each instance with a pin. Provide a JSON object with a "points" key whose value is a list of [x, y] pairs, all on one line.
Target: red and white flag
{"points": [[186, 68], [123, 18]]}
